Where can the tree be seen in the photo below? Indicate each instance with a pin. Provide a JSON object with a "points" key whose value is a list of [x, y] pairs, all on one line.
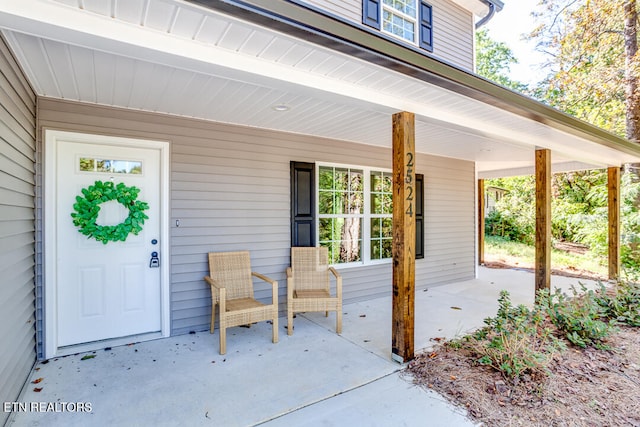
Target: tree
{"points": [[493, 61], [593, 51], [592, 47], [631, 70]]}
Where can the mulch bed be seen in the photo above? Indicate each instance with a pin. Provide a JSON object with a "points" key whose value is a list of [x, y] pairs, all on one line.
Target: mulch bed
{"points": [[584, 388]]}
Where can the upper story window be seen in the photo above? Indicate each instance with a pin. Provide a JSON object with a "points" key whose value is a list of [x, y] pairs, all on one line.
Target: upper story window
{"points": [[399, 18], [409, 20]]}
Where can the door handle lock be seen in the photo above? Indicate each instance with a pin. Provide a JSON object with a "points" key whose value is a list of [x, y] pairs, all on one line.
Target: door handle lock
{"points": [[155, 261]]}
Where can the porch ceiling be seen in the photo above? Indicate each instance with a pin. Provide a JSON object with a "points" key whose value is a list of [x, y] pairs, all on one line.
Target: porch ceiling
{"points": [[174, 57]]}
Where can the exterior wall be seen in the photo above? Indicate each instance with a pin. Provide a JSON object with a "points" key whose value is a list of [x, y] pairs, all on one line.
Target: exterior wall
{"points": [[348, 9], [230, 191], [453, 27], [449, 206], [17, 225], [453, 34]]}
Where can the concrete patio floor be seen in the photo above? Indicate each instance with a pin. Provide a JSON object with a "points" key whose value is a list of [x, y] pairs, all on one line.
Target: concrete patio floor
{"points": [[313, 378]]}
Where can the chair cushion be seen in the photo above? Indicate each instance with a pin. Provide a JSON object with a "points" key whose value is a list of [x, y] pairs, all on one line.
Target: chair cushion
{"points": [[243, 304], [311, 293]]}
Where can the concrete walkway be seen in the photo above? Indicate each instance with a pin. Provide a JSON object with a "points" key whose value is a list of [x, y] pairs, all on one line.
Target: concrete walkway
{"points": [[313, 378]]}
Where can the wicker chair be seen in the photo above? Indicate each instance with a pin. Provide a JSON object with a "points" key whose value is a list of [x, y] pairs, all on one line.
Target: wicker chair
{"points": [[308, 285], [232, 290]]}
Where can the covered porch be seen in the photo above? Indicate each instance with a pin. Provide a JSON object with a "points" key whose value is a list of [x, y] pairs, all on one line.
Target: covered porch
{"points": [[233, 92], [311, 378]]}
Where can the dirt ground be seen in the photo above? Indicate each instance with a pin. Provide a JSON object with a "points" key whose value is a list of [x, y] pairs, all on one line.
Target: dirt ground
{"points": [[493, 261], [584, 388]]}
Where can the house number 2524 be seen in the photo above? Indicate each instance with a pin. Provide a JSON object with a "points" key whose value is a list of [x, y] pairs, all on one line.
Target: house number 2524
{"points": [[409, 181]]}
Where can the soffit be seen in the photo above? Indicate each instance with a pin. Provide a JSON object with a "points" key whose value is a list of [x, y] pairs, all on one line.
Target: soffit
{"points": [[478, 7], [176, 58]]}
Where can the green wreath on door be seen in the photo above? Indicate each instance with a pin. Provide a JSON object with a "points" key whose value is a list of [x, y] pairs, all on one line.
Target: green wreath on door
{"points": [[87, 208]]}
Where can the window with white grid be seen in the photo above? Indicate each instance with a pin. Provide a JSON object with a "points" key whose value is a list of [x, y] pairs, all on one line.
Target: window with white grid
{"points": [[399, 18]]}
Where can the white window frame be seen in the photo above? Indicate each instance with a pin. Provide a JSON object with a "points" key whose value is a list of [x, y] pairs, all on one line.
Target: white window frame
{"points": [[366, 215], [413, 19]]}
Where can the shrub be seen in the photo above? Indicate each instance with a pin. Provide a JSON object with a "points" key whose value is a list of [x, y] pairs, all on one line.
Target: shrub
{"points": [[515, 342], [509, 226], [520, 341], [622, 305], [514, 214], [566, 219], [580, 318]]}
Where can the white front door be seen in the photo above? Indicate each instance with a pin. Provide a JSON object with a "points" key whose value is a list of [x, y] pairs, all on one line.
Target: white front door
{"points": [[105, 291]]}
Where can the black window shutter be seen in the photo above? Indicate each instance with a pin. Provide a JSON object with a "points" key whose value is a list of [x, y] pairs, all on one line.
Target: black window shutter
{"points": [[371, 13], [419, 216], [425, 27], [303, 206]]}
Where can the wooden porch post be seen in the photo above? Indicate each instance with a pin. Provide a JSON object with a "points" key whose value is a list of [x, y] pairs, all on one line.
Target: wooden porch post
{"points": [[543, 220], [614, 222], [481, 212], [402, 333]]}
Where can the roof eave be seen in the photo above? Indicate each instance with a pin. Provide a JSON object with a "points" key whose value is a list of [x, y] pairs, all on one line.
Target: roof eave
{"points": [[295, 18]]}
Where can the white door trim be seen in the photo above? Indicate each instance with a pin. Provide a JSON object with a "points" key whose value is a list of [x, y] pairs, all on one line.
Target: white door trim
{"points": [[49, 195]]}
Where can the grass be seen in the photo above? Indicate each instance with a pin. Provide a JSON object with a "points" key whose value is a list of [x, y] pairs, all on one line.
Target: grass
{"points": [[501, 248]]}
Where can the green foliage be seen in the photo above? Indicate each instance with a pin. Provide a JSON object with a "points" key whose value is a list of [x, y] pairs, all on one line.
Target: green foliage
{"points": [[509, 226], [579, 212], [630, 215], [585, 45], [590, 78], [493, 61], [577, 208], [565, 223], [87, 209], [579, 318], [589, 224], [514, 214], [520, 341], [515, 342], [623, 304], [579, 199]]}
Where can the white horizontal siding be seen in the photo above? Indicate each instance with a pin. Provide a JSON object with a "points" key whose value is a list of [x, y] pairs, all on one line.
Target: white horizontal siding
{"points": [[453, 33], [230, 191], [449, 220], [17, 228]]}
